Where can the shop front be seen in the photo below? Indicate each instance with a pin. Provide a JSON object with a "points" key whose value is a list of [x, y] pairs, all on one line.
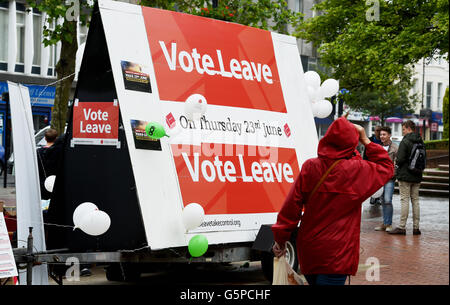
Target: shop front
{"points": [[42, 99]]}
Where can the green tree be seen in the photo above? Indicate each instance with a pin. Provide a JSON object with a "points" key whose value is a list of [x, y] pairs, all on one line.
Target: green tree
{"points": [[371, 48], [445, 114], [66, 33], [264, 14], [384, 104]]}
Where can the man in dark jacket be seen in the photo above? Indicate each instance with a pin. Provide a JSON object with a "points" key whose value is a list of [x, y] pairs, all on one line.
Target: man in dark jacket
{"points": [[328, 236], [409, 182], [43, 160]]}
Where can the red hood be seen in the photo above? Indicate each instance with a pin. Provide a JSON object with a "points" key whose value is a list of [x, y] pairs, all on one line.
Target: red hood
{"points": [[340, 141]]}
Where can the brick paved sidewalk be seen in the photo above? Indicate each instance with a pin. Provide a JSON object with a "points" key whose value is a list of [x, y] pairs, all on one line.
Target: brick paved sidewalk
{"points": [[411, 259], [404, 260]]}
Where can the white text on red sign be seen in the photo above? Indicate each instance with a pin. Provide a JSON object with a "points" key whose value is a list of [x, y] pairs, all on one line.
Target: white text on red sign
{"points": [[95, 127], [205, 64], [259, 172]]}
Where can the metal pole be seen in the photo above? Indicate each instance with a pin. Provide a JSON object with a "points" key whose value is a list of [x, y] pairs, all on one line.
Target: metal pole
{"points": [[29, 257], [423, 92], [423, 79]]}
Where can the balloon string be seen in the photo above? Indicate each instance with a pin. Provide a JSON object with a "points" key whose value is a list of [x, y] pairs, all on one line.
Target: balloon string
{"points": [[38, 222]]}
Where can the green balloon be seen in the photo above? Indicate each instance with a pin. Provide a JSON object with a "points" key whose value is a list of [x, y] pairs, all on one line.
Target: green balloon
{"points": [[155, 130], [198, 245]]}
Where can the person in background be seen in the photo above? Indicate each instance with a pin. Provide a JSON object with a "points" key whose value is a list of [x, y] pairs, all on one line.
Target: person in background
{"points": [[329, 232], [408, 181], [42, 160], [375, 138], [388, 192]]}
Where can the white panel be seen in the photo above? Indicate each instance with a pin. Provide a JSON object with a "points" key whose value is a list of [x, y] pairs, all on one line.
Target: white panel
{"points": [[29, 45], [12, 36], [154, 171], [45, 51], [28, 193], [298, 106]]}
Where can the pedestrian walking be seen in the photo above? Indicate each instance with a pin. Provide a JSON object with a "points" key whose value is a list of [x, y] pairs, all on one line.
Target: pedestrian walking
{"points": [[331, 188], [388, 191], [410, 163]]}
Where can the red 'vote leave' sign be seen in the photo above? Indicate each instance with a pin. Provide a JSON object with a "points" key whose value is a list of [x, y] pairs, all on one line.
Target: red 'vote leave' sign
{"points": [[229, 64], [96, 120]]}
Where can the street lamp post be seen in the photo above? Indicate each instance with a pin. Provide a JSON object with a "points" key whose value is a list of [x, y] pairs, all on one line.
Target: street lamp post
{"points": [[423, 93]]}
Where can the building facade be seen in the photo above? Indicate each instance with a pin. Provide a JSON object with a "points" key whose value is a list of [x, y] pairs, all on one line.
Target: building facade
{"points": [[430, 79], [25, 59]]}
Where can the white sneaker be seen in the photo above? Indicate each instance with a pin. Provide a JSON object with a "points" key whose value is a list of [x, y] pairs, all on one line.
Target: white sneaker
{"points": [[389, 228]]}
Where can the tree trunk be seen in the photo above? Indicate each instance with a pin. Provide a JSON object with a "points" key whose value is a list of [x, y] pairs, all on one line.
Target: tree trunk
{"points": [[65, 69]]}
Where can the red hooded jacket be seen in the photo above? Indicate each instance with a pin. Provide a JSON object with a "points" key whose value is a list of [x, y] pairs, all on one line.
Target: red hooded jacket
{"points": [[328, 237]]}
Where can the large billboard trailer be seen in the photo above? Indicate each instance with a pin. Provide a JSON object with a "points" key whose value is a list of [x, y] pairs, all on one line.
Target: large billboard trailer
{"points": [[238, 158]]}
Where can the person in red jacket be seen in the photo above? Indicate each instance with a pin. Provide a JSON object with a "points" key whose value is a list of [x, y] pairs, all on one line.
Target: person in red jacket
{"points": [[329, 232]]}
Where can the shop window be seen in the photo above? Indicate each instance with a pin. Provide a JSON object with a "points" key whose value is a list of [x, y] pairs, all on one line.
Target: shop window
{"points": [[37, 39], [439, 96], [20, 22], [429, 94], [4, 33]]}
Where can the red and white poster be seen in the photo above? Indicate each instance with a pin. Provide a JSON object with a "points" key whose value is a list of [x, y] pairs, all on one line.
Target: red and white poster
{"points": [[7, 262], [242, 179], [241, 156], [229, 64], [434, 127], [95, 123]]}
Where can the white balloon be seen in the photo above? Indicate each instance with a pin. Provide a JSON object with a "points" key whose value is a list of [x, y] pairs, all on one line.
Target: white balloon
{"points": [[312, 78], [323, 109], [95, 223], [378, 193], [171, 132], [195, 106], [193, 215], [315, 108], [49, 183], [82, 210], [329, 88], [313, 94]]}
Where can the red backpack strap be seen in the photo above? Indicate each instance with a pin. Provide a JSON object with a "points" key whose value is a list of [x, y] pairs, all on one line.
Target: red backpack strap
{"points": [[324, 177]]}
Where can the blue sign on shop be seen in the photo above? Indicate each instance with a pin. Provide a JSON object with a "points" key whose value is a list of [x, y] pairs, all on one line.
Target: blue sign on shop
{"points": [[437, 117], [39, 95]]}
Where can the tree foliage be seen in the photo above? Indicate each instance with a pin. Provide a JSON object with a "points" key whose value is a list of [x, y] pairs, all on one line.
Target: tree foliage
{"points": [[66, 33], [370, 50], [264, 14]]}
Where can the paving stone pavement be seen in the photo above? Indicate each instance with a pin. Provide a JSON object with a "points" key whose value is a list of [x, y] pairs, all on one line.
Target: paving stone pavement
{"points": [[403, 260], [406, 260]]}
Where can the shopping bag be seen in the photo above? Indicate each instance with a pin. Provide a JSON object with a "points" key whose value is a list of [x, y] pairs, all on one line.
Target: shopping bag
{"points": [[283, 274]]}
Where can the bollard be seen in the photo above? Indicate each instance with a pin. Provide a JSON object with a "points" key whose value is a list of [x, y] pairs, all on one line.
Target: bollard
{"points": [[29, 257]]}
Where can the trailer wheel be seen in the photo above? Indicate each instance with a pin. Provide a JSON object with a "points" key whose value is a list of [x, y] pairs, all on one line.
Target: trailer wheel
{"points": [[267, 260], [122, 272]]}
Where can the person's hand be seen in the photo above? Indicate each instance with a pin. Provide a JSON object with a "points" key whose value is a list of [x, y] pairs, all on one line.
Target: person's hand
{"points": [[362, 134], [278, 251]]}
